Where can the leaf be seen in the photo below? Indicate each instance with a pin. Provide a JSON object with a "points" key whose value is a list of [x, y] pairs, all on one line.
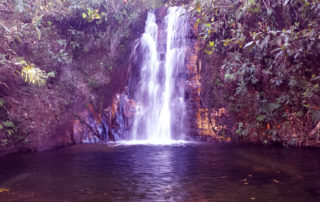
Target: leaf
{"points": [[84, 15], [208, 52], [199, 9], [278, 54], [32, 74], [249, 44], [286, 2], [261, 118], [315, 78], [38, 33], [264, 41], [8, 124], [21, 62], [5, 28], [10, 132], [90, 11], [51, 74], [96, 16], [300, 114], [292, 82], [226, 42]]}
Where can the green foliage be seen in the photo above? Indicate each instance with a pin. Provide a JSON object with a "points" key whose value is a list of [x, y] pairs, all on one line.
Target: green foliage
{"points": [[8, 124], [270, 67], [9, 127], [12, 134], [93, 84], [36, 22], [33, 74], [2, 102], [91, 15], [241, 131]]}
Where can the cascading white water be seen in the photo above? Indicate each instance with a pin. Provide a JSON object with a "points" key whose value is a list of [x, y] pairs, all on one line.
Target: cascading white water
{"points": [[160, 108]]}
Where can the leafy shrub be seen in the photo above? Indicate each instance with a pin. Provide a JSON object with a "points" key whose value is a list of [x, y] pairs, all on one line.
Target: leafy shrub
{"points": [[33, 74], [269, 52]]}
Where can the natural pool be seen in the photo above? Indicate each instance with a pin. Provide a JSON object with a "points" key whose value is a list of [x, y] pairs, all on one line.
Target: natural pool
{"points": [[180, 172]]}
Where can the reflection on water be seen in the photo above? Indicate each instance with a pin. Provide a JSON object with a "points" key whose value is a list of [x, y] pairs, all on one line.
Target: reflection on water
{"points": [[178, 172], [154, 142], [158, 166]]}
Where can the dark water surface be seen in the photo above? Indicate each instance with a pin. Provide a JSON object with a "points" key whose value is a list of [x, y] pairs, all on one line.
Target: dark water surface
{"points": [[190, 172]]}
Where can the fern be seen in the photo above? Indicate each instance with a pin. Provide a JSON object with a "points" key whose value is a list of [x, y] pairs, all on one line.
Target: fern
{"points": [[33, 74]]}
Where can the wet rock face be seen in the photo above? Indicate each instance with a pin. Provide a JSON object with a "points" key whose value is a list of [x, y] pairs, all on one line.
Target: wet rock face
{"points": [[203, 121], [111, 125], [193, 87]]}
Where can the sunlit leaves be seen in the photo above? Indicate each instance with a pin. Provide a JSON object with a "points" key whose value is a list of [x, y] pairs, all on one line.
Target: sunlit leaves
{"points": [[261, 117], [226, 42], [197, 7], [33, 74], [8, 124], [8, 127], [210, 48], [249, 44], [209, 52], [91, 15]]}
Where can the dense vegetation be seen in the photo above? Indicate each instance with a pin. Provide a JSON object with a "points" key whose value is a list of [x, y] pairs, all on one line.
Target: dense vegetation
{"points": [[264, 59], [57, 57]]}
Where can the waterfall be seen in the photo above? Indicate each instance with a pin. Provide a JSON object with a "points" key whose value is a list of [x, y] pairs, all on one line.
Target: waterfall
{"points": [[159, 94]]}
